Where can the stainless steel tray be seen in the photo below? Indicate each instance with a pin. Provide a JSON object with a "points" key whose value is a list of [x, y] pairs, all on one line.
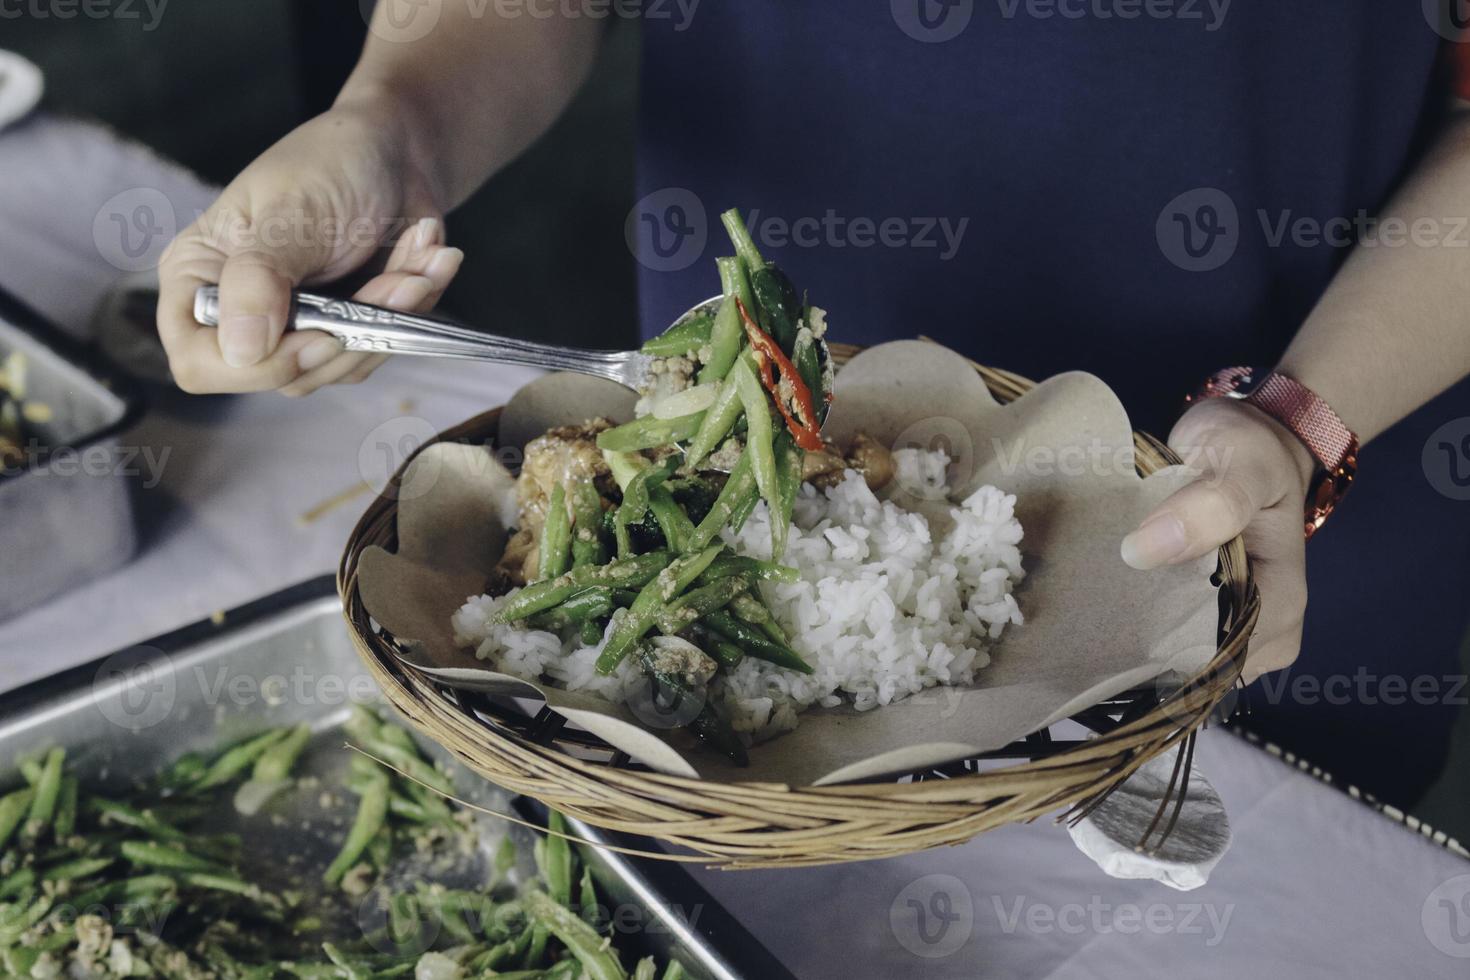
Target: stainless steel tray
{"points": [[287, 659], [66, 512]]}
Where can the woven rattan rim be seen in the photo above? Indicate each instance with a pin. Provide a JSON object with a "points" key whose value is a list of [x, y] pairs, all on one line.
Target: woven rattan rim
{"points": [[759, 825]]}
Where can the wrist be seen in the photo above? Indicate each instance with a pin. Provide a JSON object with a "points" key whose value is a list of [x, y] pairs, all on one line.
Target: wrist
{"points": [[407, 128], [1323, 449]]}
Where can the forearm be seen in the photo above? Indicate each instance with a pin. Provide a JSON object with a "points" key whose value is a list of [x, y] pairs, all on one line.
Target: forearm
{"points": [[1393, 329], [474, 92]]}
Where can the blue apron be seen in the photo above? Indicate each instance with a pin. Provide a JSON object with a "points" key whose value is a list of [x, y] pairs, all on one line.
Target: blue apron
{"points": [[1145, 190]]}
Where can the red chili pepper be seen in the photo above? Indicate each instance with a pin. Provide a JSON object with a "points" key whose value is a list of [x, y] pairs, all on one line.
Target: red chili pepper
{"points": [[803, 426]]}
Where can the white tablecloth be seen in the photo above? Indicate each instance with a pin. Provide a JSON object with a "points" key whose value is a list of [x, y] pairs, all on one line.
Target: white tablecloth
{"points": [[1315, 885]]}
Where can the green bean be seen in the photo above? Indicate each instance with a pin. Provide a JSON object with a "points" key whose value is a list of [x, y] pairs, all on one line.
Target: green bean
{"points": [[646, 969], [726, 652], [649, 433], [776, 307], [16, 924], [80, 868], [694, 605], [788, 482], [743, 512], [685, 337], [236, 760], [13, 809], [186, 770], [738, 488], [277, 761], [505, 856], [750, 609], [672, 520], [372, 810], [674, 971], [727, 335], [17, 883], [718, 420], [584, 942], [641, 616], [228, 883], [758, 438], [31, 770], [380, 848], [623, 573], [755, 643], [449, 908], [587, 899], [809, 369], [587, 546], [556, 535], [48, 790], [745, 246], [149, 854], [559, 859], [66, 808], [580, 607], [411, 763], [635, 493], [769, 571]]}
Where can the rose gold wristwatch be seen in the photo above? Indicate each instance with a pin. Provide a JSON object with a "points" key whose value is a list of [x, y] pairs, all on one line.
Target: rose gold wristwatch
{"points": [[1307, 417]]}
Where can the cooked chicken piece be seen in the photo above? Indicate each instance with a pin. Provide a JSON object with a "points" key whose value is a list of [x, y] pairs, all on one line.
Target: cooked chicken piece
{"points": [[873, 460], [521, 560], [564, 455], [822, 468]]}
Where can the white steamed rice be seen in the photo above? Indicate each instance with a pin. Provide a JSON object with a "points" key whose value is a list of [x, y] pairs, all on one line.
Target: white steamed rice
{"points": [[881, 612]]}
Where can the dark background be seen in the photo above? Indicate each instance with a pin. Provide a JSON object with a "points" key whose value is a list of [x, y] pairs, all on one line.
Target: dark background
{"points": [[217, 82]]}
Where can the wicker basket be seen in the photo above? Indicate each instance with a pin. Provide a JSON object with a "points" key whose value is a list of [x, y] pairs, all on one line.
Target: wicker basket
{"points": [[756, 825]]}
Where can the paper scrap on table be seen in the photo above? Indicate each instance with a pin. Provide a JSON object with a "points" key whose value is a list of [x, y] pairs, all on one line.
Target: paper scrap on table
{"points": [[1111, 833], [1094, 627]]}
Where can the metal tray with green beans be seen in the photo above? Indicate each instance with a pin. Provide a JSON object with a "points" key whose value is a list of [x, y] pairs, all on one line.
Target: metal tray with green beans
{"points": [[231, 802]]}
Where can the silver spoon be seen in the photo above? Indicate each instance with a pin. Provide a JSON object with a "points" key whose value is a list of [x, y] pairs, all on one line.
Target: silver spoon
{"points": [[375, 329]]}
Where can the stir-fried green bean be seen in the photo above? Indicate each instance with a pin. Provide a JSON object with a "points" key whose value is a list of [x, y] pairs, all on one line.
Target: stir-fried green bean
{"points": [[755, 643], [649, 433], [750, 609], [632, 572], [727, 335], [745, 246], [739, 488], [641, 616], [277, 761], [694, 605], [776, 306], [584, 942], [759, 434], [13, 810], [719, 419], [372, 810], [556, 535], [587, 546], [685, 337], [48, 791], [788, 483]]}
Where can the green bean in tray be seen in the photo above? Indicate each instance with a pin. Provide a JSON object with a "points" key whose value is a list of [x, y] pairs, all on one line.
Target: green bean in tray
{"points": [[621, 527], [144, 884]]}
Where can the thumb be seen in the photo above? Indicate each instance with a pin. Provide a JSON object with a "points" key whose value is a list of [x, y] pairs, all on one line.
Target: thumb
{"points": [[254, 303], [1202, 516]]}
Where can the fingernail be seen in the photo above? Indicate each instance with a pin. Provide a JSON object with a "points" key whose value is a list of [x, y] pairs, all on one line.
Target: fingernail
{"points": [[425, 232], [444, 265], [410, 293], [318, 352], [1156, 541], [243, 340]]}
